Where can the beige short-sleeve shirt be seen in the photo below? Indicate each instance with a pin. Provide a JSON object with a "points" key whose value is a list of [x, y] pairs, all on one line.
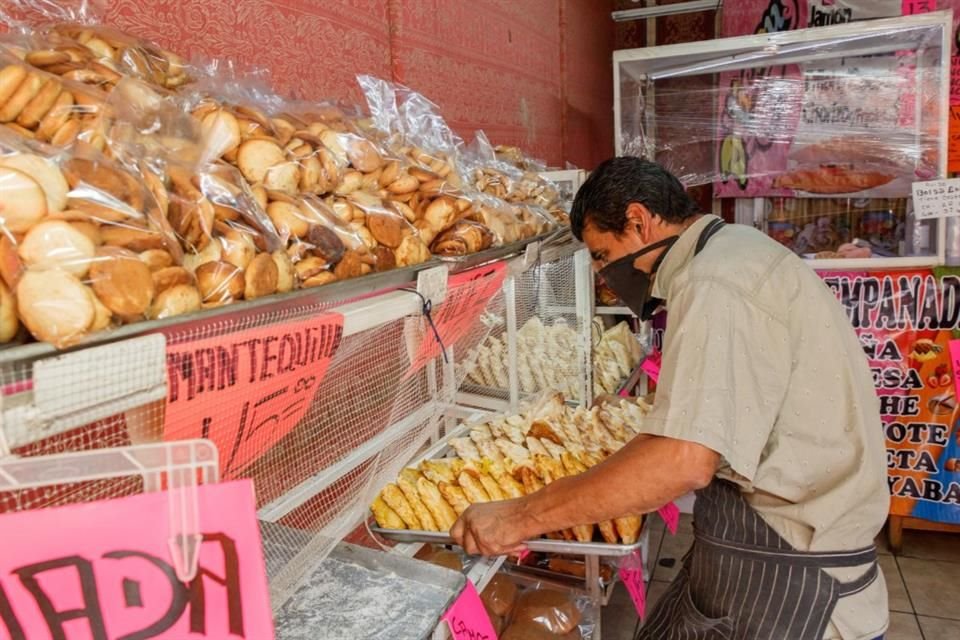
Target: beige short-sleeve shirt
{"points": [[761, 365]]}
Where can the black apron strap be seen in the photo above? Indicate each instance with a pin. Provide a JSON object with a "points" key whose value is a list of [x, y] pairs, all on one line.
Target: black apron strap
{"points": [[705, 235]]}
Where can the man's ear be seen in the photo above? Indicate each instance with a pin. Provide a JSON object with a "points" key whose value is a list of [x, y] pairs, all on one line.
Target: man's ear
{"points": [[639, 219]]}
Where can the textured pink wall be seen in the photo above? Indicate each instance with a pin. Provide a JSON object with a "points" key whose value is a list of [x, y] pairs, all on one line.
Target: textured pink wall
{"points": [[535, 73]]}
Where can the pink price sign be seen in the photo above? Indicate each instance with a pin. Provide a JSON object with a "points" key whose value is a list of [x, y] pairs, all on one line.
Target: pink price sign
{"points": [[631, 574], [467, 618], [651, 366], [246, 390], [112, 575], [671, 516]]}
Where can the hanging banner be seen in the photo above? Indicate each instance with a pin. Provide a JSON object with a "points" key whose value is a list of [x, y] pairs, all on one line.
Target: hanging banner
{"points": [[103, 570], [905, 322], [246, 390]]}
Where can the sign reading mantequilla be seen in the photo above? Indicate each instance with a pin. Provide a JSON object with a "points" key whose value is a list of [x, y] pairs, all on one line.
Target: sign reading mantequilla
{"points": [[906, 321]]}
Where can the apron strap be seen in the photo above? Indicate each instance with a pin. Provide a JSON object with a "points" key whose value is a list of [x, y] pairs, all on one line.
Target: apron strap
{"points": [[705, 235], [819, 559]]}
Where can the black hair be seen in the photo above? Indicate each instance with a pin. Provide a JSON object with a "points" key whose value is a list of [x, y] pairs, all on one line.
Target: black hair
{"points": [[604, 197]]}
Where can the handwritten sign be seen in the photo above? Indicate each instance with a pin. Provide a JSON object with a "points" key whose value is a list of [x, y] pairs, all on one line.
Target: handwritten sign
{"points": [[468, 293], [913, 7], [248, 389], [112, 577], [631, 575], [467, 617], [671, 516], [936, 199]]}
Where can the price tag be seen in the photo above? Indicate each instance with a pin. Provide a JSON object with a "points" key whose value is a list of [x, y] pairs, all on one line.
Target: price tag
{"points": [[114, 570], [936, 199], [631, 574], [671, 516], [467, 296], [248, 389], [467, 617], [913, 7]]}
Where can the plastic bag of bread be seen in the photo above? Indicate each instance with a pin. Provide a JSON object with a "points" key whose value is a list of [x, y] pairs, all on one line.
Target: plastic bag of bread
{"points": [[385, 227], [75, 29], [42, 106], [74, 227], [544, 612], [463, 238]]}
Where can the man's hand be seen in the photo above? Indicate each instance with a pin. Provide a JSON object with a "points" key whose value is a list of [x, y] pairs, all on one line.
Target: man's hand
{"points": [[492, 528]]}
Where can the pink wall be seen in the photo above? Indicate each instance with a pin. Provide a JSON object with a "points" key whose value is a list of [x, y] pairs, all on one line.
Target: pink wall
{"points": [[535, 73]]}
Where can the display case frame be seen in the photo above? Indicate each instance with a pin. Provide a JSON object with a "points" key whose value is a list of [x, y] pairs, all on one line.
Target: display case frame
{"points": [[730, 54]]}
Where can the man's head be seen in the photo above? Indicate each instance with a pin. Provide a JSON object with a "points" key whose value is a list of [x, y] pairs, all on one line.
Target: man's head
{"points": [[628, 204]]}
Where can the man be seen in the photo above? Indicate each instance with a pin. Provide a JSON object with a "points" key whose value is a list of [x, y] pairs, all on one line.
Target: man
{"points": [[765, 406]]}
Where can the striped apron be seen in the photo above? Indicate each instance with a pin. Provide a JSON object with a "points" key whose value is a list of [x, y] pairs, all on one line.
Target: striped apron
{"points": [[742, 581]]}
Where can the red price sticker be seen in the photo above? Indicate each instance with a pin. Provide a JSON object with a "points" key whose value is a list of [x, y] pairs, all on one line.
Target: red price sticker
{"points": [[467, 617], [468, 294], [671, 516], [912, 7], [247, 390], [631, 574]]}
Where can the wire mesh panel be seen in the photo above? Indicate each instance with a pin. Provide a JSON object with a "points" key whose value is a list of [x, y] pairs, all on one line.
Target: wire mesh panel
{"points": [[367, 412], [551, 337]]}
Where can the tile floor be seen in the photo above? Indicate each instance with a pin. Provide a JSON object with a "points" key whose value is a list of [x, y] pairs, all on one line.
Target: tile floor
{"points": [[923, 584]]}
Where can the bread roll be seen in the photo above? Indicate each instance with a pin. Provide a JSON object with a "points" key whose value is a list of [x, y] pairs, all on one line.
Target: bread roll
{"points": [[57, 244], [529, 631], [9, 324], [45, 173], [261, 277], [22, 201], [500, 596], [551, 610], [55, 306], [220, 282], [175, 301], [447, 559], [122, 282]]}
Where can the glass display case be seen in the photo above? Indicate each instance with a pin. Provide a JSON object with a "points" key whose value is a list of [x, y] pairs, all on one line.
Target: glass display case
{"points": [[819, 133]]}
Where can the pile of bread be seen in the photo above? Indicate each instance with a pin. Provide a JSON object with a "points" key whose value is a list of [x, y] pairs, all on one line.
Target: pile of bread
{"points": [[111, 214], [532, 614], [512, 457], [547, 358]]}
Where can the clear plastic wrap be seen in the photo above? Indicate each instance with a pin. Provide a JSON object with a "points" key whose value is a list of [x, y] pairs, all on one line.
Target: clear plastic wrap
{"points": [[79, 235], [69, 39], [538, 611], [48, 108], [832, 130], [535, 196]]}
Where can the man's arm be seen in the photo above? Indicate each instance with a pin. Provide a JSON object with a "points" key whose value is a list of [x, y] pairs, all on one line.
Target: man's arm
{"points": [[642, 477]]}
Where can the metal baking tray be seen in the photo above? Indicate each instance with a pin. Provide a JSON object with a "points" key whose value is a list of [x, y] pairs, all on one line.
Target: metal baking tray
{"points": [[440, 450], [541, 546], [343, 598]]}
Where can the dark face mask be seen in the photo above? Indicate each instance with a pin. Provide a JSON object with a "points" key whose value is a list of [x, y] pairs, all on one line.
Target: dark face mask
{"points": [[634, 286]]}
